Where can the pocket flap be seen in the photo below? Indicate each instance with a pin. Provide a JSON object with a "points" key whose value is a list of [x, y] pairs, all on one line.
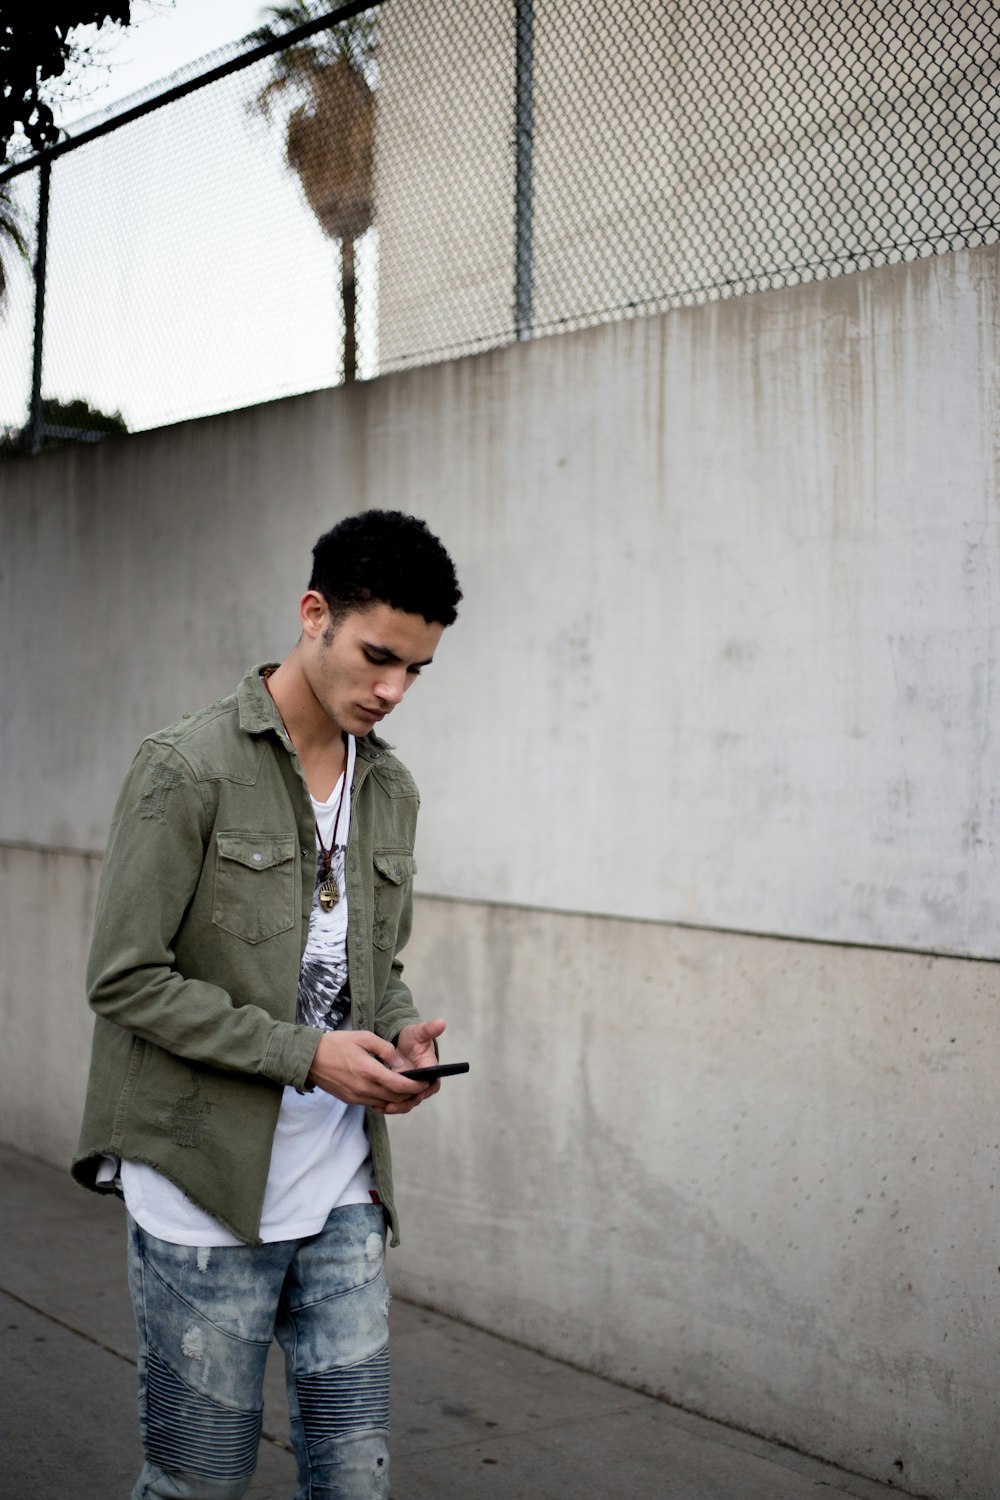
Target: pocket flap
{"points": [[258, 851], [395, 867]]}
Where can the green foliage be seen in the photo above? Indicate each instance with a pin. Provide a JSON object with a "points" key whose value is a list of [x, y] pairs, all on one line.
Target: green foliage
{"points": [[35, 49], [62, 422]]}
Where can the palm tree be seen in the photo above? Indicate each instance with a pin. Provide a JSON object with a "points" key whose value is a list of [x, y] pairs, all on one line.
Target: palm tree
{"points": [[11, 235], [326, 82]]}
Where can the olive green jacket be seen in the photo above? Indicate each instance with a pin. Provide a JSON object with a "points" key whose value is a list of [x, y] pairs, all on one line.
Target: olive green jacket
{"points": [[202, 917]]}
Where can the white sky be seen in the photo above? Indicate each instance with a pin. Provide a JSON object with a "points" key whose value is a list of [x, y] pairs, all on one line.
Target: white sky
{"points": [[169, 291], [164, 36]]}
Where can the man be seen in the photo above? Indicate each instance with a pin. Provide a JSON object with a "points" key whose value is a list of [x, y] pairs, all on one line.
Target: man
{"points": [[252, 1025]]}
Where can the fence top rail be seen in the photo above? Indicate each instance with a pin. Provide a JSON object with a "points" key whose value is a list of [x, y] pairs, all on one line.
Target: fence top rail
{"points": [[288, 38]]}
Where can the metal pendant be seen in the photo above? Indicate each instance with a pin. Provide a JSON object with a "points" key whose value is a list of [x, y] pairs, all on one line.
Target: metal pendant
{"points": [[329, 894]]}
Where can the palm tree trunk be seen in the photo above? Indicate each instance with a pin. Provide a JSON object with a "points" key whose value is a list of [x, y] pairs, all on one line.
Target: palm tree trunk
{"points": [[349, 297]]}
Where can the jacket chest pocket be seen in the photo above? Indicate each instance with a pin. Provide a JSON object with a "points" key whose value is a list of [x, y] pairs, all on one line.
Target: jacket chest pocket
{"points": [[254, 884], [393, 884]]}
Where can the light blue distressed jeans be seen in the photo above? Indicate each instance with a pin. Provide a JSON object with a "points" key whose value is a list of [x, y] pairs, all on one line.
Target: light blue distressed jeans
{"points": [[205, 1321]]}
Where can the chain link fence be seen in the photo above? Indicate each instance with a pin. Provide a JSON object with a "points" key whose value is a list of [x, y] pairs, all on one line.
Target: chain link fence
{"points": [[420, 179]]}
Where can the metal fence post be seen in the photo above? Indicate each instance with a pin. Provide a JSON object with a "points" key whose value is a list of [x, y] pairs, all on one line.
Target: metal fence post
{"points": [[524, 124], [36, 422]]}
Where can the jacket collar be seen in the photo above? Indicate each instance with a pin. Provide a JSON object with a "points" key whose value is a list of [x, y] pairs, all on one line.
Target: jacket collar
{"points": [[257, 709], [258, 714]]}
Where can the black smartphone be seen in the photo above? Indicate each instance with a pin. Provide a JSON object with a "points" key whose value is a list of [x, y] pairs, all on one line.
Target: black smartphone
{"points": [[437, 1070]]}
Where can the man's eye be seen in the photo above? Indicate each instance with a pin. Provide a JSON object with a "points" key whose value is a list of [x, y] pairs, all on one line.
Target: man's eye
{"points": [[376, 661], [413, 671]]}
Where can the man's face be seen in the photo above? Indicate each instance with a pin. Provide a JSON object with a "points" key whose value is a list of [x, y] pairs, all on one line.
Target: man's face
{"points": [[359, 670]]}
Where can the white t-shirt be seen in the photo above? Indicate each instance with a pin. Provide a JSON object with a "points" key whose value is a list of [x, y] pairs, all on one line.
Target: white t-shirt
{"points": [[320, 1158]]}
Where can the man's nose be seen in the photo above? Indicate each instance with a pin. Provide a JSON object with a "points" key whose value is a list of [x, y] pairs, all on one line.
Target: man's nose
{"points": [[391, 688]]}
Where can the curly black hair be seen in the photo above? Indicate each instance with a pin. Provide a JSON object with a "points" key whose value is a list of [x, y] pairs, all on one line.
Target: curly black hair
{"points": [[385, 557]]}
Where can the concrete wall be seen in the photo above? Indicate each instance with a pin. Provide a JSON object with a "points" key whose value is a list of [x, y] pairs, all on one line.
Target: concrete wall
{"points": [[728, 650], [679, 152], [726, 661], [747, 1174]]}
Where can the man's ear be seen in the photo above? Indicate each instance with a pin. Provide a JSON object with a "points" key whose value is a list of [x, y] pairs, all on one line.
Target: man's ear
{"points": [[314, 612]]}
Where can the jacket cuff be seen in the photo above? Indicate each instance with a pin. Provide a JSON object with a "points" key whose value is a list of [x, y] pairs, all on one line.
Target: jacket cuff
{"points": [[290, 1054]]}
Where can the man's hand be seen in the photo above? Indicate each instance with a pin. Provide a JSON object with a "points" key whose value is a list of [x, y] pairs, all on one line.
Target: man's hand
{"points": [[415, 1045], [359, 1068]]}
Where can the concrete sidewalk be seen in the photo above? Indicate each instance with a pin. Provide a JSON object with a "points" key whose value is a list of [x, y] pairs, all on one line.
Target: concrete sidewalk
{"points": [[473, 1417]]}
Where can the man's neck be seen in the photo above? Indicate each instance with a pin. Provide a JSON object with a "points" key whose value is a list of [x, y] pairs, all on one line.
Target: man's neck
{"points": [[319, 743]]}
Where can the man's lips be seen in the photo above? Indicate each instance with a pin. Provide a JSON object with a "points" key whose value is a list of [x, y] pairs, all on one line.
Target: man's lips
{"points": [[373, 713]]}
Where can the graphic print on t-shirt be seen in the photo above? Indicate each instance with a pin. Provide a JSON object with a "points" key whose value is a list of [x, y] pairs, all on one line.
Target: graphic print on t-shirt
{"points": [[324, 998]]}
